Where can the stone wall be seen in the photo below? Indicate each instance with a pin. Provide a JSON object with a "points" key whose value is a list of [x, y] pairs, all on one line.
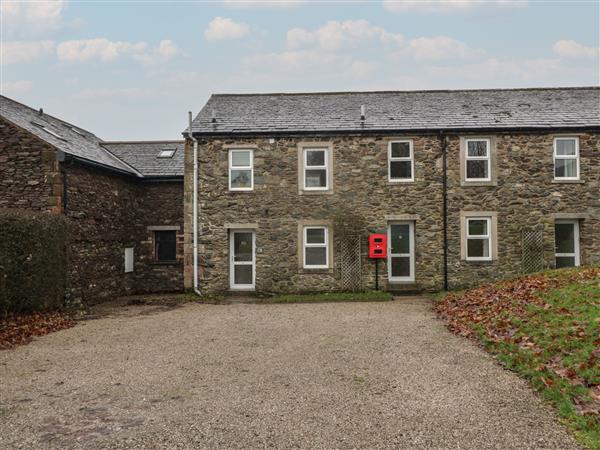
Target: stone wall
{"points": [[101, 208], [108, 213], [161, 204], [523, 195], [29, 171]]}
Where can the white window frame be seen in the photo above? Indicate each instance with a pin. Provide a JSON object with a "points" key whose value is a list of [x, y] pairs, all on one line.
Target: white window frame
{"points": [[480, 237], [249, 167], [487, 158], [306, 167], [577, 253], [411, 254], [306, 245], [401, 158], [575, 156]]}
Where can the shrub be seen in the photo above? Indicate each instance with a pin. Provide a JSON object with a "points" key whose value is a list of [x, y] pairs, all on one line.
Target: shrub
{"points": [[33, 262]]}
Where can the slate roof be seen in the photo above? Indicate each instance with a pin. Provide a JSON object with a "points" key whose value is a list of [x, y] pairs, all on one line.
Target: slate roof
{"points": [[400, 110], [144, 157], [73, 140]]}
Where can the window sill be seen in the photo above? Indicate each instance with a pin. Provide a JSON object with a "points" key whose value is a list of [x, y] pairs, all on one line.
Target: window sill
{"points": [[465, 183], [400, 282], [396, 182], [568, 181], [305, 271], [482, 262], [315, 192], [166, 263]]}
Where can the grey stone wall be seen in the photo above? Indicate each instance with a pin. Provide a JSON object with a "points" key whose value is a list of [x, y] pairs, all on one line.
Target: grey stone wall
{"points": [[29, 173], [108, 213], [523, 195]]}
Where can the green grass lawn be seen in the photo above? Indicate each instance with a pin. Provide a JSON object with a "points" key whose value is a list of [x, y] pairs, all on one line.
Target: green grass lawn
{"points": [[546, 328], [371, 296]]}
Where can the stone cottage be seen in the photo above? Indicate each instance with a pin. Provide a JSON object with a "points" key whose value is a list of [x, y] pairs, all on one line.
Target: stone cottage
{"points": [[123, 200], [468, 186]]}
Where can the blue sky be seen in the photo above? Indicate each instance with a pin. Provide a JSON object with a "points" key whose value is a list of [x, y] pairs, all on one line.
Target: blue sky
{"points": [[132, 70]]}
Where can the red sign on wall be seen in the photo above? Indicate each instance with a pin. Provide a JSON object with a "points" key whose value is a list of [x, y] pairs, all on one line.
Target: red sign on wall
{"points": [[377, 246]]}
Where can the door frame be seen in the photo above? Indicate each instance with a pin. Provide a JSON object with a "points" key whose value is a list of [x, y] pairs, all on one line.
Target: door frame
{"points": [[232, 285], [411, 233], [575, 223]]}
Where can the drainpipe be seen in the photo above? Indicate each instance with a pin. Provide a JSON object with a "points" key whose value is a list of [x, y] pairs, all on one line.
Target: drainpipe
{"points": [[445, 205], [195, 212]]}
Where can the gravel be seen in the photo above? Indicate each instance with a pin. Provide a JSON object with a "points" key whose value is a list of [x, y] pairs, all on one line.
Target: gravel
{"points": [[302, 375]]}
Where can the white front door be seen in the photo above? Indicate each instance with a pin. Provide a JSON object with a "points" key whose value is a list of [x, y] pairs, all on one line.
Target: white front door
{"points": [[401, 251], [242, 259], [566, 242]]}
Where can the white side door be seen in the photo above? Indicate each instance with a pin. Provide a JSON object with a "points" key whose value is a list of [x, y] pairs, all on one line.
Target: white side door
{"points": [[401, 252], [566, 242], [242, 259]]}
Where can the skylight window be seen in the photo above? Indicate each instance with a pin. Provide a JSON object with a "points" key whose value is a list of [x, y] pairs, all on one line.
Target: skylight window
{"points": [[166, 153], [49, 131]]}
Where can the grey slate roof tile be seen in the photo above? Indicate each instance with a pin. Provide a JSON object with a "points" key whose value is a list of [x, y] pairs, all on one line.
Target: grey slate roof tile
{"points": [[73, 140], [135, 158], [143, 156], [401, 110]]}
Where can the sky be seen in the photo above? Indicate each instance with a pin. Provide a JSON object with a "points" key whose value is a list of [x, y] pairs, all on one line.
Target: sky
{"points": [[132, 70]]}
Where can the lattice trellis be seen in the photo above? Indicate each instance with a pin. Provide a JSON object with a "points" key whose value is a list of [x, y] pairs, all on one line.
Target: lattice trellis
{"points": [[350, 263], [532, 247]]}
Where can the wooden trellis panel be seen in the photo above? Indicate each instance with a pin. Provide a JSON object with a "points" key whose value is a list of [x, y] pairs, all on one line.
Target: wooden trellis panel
{"points": [[350, 263], [532, 246]]}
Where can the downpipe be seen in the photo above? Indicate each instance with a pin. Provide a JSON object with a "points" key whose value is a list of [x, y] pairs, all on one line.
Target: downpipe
{"points": [[195, 206]]}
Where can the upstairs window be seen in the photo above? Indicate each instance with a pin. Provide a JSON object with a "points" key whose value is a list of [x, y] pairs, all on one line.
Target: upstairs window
{"points": [[477, 160], [241, 172], [315, 169], [316, 251], [401, 161], [165, 246], [566, 159], [479, 240], [166, 153]]}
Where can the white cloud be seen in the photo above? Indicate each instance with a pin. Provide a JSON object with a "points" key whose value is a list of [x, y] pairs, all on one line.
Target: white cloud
{"points": [[263, 3], [16, 87], [575, 50], [427, 6], [31, 18], [102, 49], [334, 34], [165, 51], [223, 28], [441, 47], [16, 52]]}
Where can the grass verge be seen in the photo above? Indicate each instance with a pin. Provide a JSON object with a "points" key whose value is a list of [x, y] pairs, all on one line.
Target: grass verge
{"points": [[371, 296], [546, 328]]}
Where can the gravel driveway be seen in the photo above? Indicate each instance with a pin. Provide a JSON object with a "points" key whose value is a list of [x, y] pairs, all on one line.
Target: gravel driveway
{"points": [[324, 375]]}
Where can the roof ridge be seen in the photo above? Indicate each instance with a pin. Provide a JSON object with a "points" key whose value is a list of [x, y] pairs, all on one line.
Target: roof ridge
{"points": [[417, 91], [49, 115]]}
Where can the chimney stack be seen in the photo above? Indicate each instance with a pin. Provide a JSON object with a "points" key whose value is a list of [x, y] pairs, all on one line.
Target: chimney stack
{"points": [[362, 112]]}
